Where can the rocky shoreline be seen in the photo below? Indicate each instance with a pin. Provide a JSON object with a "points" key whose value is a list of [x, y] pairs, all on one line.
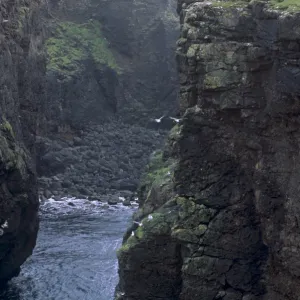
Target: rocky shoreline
{"points": [[101, 162]]}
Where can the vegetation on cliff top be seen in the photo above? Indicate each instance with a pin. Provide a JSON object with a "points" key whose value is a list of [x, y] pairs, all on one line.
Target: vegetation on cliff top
{"points": [[74, 43], [227, 4], [288, 5]]}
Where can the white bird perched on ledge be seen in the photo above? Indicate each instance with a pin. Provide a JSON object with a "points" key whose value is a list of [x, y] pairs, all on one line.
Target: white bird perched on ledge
{"points": [[132, 233], [175, 119], [139, 223], [5, 224], [150, 217]]}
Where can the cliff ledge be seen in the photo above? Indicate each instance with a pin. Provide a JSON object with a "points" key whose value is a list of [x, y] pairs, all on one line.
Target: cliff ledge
{"points": [[229, 226]]}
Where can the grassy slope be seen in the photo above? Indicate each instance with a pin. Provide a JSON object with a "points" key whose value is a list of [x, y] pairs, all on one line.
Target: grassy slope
{"points": [[72, 43]]}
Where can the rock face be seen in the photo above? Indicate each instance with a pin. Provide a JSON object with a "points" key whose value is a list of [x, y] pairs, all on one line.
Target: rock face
{"points": [[111, 70], [21, 82], [229, 227], [105, 159], [111, 57]]}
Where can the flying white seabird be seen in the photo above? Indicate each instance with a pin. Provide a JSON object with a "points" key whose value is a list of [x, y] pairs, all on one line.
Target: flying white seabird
{"points": [[159, 120]]}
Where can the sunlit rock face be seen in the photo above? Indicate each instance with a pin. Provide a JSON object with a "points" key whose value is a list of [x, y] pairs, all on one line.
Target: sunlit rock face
{"points": [[230, 222], [21, 94]]}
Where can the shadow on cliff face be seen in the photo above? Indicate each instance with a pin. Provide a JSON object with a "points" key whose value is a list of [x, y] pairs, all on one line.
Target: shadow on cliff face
{"points": [[110, 71], [144, 81], [22, 91], [89, 97], [10, 291], [236, 182], [203, 209]]}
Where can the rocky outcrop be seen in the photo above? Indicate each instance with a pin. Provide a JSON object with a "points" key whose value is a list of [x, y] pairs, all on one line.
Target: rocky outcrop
{"points": [[106, 159], [21, 82], [110, 71], [229, 228], [109, 57]]}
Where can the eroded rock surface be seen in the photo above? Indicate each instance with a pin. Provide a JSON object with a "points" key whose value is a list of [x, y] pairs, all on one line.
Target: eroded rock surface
{"points": [[111, 71], [21, 84], [231, 222]]}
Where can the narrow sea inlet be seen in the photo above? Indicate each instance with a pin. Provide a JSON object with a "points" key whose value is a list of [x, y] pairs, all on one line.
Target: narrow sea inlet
{"points": [[75, 257]]}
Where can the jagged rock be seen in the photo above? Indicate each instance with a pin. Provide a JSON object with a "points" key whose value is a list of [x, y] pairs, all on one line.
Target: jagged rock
{"points": [[113, 200], [126, 202], [128, 68], [22, 70], [230, 221]]}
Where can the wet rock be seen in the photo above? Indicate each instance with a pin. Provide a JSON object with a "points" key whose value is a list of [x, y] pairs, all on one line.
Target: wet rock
{"points": [[47, 194], [113, 200], [126, 202], [126, 194], [89, 171]]}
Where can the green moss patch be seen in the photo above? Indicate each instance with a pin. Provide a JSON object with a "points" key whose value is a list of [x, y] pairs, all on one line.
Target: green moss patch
{"points": [[156, 172], [289, 5], [157, 168], [7, 128], [160, 224], [230, 4], [73, 43]]}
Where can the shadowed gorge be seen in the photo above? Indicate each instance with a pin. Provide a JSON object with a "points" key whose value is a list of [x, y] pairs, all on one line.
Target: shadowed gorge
{"points": [[155, 144], [82, 83], [110, 71]]}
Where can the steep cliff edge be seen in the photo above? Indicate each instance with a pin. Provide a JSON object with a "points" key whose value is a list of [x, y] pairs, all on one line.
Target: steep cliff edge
{"points": [[110, 57], [229, 228], [111, 70], [21, 86]]}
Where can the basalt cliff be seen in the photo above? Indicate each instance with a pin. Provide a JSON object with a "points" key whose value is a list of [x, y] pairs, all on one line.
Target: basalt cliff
{"points": [[21, 91], [81, 83], [220, 205], [110, 72]]}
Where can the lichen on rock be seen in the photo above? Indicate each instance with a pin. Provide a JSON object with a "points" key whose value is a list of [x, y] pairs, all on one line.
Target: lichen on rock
{"points": [[73, 43], [22, 70], [233, 200]]}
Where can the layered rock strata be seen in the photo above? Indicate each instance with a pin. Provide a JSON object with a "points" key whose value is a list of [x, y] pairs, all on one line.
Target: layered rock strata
{"points": [[21, 92], [228, 229]]}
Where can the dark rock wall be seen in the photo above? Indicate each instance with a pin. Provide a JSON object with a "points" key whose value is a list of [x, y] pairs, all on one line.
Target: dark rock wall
{"points": [[111, 70], [129, 70], [21, 92], [233, 214]]}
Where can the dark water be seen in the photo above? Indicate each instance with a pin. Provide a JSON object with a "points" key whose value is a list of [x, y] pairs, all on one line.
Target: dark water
{"points": [[75, 256]]}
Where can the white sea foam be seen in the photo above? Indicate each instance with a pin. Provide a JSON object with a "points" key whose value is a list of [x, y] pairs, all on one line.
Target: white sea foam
{"points": [[67, 205]]}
